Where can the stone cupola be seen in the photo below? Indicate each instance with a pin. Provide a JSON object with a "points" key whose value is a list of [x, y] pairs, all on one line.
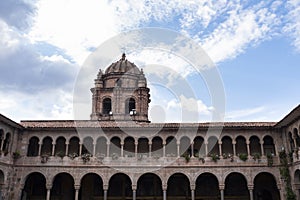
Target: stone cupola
{"points": [[120, 93]]}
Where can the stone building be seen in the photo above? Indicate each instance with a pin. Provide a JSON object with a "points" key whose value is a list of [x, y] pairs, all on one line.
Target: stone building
{"points": [[119, 154]]}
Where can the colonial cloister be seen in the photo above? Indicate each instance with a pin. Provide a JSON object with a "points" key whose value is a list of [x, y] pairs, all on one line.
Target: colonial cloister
{"points": [[119, 154]]}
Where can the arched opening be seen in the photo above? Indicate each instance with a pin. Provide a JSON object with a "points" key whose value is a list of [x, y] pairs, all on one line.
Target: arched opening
{"points": [[149, 187], [119, 187], [35, 187], [33, 147], [297, 138], [241, 146], [143, 146], [47, 146], [297, 182], [207, 187], [1, 137], [255, 147], [6, 143], [87, 146], [74, 146], [129, 105], [157, 147], [291, 140], [227, 148], [101, 147], [129, 147], [171, 146], [178, 187], [106, 106], [199, 148], [265, 187], [236, 187], [1, 182], [213, 145], [269, 147], [185, 146], [63, 187], [115, 147], [60, 146], [91, 187]]}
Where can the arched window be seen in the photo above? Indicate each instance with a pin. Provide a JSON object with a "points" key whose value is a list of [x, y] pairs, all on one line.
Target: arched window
{"points": [[33, 147], [106, 106], [6, 142], [129, 105]]}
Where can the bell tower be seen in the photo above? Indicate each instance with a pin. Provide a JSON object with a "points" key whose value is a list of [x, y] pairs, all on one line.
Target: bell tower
{"points": [[120, 93]]}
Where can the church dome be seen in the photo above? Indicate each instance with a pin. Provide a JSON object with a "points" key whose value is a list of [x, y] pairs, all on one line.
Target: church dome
{"points": [[123, 66]]}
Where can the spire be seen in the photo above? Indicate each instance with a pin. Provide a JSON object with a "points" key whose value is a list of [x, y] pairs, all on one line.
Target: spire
{"points": [[123, 56]]}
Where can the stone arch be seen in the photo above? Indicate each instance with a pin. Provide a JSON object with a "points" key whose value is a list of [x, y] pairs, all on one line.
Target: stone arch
{"points": [[213, 145], [115, 146], [149, 185], [241, 145], [265, 187], [157, 146], [236, 187], [46, 146], [143, 145], [106, 106], [35, 186], [101, 147], [6, 143], [129, 105], [185, 146], [120, 186], [33, 146], [129, 147], [178, 187], [255, 147], [87, 145], [171, 146], [63, 186], [269, 146], [227, 147], [60, 146], [74, 145], [91, 187], [207, 186], [199, 147], [297, 182], [1, 136]]}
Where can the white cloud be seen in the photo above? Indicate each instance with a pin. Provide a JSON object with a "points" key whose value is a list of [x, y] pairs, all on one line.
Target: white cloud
{"points": [[250, 113], [292, 26]]}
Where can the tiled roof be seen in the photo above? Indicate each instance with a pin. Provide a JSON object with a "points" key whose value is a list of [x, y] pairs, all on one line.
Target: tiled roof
{"points": [[131, 124]]}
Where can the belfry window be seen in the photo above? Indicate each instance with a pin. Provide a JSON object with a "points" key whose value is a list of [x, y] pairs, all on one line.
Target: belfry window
{"points": [[129, 105], [106, 106]]}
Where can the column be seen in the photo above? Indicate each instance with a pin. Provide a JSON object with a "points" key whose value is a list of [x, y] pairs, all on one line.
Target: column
{"points": [[192, 149], [193, 192], [250, 188], [53, 149], [105, 189], [122, 149], [48, 191], [164, 149], [135, 149], [262, 147], [80, 149], [133, 192], [178, 149], [107, 149], [221, 188], [150, 148], [94, 149], [67, 148], [77, 187], [164, 191], [248, 148], [40, 149], [234, 149], [220, 149], [206, 148]]}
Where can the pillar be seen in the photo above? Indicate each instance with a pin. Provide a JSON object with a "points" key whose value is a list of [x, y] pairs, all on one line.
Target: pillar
{"points": [[67, 148], [248, 148], [150, 148], [206, 148], [193, 192], [221, 188], [178, 149], [105, 189], [48, 191], [135, 149], [133, 192], [122, 149], [220, 149], [250, 188], [192, 149], [77, 187], [164, 149], [94, 149], [234, 149], [165, 191], [53, 149], [107, 149], [80, 149], [262, 147], [40, 149]]}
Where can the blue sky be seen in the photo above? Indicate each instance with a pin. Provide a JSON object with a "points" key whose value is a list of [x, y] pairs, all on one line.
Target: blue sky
{"points": [[254, 44]]}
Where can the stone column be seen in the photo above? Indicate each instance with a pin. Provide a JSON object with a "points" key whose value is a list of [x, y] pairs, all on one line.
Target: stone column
{"points": [[107, 149], [135, 149], [48, 191], [94, 149], [53, 149], [122, 149], [193, 192], [164, 149], [220, 149], [262, 147], [80, 149], [248, 148], [178, 149], [105, 189], [67, 148], [165, 191], [150, 148], [221, 188], [233, 146], [77, 187], [250, 188], [133, 192], [40, 148], [192, 149]]}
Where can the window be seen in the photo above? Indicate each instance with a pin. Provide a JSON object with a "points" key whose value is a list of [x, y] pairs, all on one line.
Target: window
{"points": [[129, 105], [106, 106]]}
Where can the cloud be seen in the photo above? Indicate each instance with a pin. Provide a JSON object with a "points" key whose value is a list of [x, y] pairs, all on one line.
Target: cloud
{"points": [[292, 26], [246, 114]]}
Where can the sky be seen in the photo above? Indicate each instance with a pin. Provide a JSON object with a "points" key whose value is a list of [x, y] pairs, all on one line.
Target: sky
{"points": [[254, 45]]}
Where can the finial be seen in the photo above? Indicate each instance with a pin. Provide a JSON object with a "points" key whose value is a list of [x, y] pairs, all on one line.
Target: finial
{"points": [[123, 56]]}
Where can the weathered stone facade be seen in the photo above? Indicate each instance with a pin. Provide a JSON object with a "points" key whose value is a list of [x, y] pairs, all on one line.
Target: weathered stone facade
{"points": [[119, 154]]}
